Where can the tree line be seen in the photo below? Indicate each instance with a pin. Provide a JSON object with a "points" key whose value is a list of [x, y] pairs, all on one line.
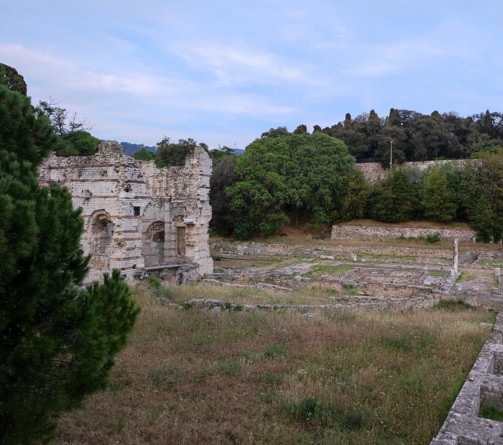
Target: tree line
{"points": [[415, 136], [301, 177]]}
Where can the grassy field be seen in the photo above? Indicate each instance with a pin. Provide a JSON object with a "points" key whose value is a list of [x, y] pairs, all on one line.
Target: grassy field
{"points": [[200, 377]]}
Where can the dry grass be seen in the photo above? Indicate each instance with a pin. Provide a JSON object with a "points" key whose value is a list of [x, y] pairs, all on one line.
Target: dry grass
{"points": [[196, 377]]}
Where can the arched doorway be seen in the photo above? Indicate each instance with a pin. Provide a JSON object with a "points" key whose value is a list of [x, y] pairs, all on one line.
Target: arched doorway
{"points": [[102, 231], [153, 245]]}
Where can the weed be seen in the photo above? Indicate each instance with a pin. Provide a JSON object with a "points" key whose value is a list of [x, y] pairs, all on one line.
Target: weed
{"points": [[274, 351], [494, 263], [434, 273], [307, 410], [397, 341], [324, 269], [121, 423], [154, 282], [273, 379], [432, 238], [251, 358], [310, 410], [159, 291], [354, 419], [453, 305], [164, 377], [491, 412], [232, 366], [231, 307], [266, 398]]}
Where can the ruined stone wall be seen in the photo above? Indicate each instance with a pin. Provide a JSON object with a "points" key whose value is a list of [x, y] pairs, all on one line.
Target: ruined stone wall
{"points": [[346, 232], [464, 424], [374, 172], [136, 215]]}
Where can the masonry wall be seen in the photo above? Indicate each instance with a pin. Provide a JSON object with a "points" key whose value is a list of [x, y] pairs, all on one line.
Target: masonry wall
{"points": [[374, 172], [135, 215], [464, 424], [346, 232]]}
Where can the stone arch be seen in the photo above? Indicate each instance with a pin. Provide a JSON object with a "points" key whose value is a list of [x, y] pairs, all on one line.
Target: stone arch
{"points": [[153, 246], [102, 231]]}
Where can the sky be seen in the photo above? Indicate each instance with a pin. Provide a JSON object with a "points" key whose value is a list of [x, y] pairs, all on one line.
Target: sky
{"points": [[223, 72]]}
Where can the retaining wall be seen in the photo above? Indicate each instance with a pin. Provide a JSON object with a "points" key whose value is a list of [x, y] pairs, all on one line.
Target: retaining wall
{"points": [[346, 232]]}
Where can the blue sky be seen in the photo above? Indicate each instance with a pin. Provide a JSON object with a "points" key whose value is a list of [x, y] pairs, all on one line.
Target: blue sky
{"points": [[223, 72]]}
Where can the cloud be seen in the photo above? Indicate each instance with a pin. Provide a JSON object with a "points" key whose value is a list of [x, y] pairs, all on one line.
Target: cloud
{"points": [[234, 65]]}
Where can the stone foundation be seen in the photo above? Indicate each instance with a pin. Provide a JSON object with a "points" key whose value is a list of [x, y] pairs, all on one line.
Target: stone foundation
{"points": [[483, 388]]}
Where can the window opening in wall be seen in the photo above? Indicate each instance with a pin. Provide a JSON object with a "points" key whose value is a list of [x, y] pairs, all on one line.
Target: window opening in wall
{"points": [[136, 210]]}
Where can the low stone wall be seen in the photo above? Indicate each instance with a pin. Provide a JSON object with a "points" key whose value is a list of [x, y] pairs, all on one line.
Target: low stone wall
{"points": [[483, 388], [346, 232], [374, 172]]}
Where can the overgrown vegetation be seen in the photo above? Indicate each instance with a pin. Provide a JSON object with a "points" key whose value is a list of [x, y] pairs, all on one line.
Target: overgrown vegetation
{"points": [[491, 412], [279, 378]]}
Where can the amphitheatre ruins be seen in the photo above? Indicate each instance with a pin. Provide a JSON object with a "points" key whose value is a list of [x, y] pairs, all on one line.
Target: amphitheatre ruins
{"points": [[145, 220], [138, 218]]}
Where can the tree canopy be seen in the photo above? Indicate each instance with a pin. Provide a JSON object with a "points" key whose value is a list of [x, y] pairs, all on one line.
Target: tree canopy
{"points": [[72, 135], [418, 137], [14, 80], [285, 178]]}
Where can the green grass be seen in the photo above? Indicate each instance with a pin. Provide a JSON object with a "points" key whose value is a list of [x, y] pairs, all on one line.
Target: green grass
{"points": [[494, 263], [491, 412], [319, 270], [453, 305], [345, 377], [436, 274]]}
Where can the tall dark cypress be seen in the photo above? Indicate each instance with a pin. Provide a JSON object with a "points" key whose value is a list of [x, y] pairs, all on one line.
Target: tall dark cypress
{"points": [[57, 339]]}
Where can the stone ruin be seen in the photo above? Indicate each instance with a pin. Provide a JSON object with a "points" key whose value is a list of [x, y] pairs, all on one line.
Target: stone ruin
{"points": [[138, 218], [465, 423]]}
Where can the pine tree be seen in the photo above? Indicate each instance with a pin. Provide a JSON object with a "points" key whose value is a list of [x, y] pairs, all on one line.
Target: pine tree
{"points": [[57, 338]]}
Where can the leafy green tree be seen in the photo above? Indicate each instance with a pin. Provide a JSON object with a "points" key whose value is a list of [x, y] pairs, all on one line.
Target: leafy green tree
{"points": [[275, 133], [144, 155], [220, 153], [438, 201], [174, 154], [223, 176], [14, 80], [358, 192], [301, 129], [484, 196], [74, 138], [83, 142], [289, 178], [57, 339], [259, 197], [396, 199], [430, 137]]}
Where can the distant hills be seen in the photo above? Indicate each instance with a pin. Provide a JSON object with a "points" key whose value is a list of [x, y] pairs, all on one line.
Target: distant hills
{"points": [[131, 149]]}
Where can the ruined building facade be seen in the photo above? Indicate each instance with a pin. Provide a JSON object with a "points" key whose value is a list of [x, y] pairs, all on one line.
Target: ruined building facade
{"points": [[138, 218]]}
